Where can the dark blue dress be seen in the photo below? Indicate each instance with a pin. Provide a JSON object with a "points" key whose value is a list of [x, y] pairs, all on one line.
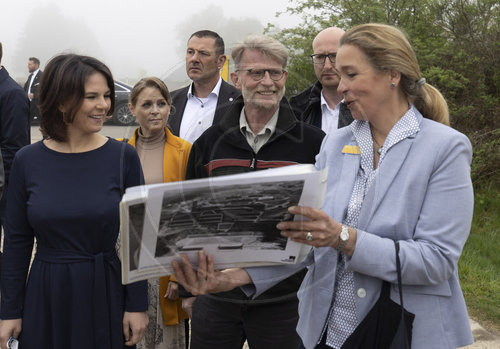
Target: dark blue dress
{"points": [[70, 202]]}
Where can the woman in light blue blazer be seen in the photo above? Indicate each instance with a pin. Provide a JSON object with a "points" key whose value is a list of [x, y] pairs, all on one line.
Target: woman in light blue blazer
{"points": [[397, 173]]}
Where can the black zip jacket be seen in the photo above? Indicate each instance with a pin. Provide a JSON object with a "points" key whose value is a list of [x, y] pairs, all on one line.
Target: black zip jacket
{"points": [[307, 107], [223, 149]]}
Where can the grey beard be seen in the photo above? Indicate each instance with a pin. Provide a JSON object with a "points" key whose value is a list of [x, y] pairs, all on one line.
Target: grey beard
{"points": [[258, 105]]}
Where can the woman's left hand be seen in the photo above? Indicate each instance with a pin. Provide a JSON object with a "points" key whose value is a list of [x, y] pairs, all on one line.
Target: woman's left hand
{"points": [[134, 325], [322, 230]]}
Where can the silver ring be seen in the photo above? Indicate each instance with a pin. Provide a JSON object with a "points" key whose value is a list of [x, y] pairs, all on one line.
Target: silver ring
{"points": [[309, 236]]}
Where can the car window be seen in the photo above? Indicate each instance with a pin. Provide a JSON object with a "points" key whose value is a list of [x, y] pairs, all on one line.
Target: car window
{"points": [[118, 88]]}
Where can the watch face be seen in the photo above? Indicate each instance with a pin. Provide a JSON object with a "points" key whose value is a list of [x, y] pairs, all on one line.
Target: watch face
{"points": [[344, 235]]}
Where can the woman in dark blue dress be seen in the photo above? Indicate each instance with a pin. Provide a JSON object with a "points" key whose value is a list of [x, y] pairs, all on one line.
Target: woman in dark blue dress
{"points": [[65, 192]]}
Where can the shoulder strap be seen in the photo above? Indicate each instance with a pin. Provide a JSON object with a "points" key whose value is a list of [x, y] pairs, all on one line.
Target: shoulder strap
{"points": [[398, 269], [122, 182]]}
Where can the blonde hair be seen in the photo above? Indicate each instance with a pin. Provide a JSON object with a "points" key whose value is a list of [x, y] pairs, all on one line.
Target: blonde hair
{"points": [[387, 48]]}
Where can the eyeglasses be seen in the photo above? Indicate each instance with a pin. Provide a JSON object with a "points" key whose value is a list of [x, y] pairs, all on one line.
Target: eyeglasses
{"points": [[321, 58], [258, 74]]}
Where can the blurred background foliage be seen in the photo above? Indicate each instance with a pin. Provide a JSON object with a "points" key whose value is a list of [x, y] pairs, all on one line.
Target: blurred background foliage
{"points": [[457, 44]]}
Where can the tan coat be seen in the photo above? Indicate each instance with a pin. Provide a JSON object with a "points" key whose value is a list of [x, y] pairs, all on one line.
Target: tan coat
{"points": [[175, 157]]}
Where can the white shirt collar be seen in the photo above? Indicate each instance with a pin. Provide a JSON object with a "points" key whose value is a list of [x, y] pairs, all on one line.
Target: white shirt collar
{"points": [[270, 125], [324, 104], [256, 141], [215, 91]]}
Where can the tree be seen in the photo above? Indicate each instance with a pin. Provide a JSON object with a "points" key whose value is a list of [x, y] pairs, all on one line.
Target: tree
{"points": [[456, 42]]}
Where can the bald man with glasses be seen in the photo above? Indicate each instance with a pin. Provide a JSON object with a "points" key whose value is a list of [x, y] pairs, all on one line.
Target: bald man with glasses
{"points": [[321, 104], [258, 131]]}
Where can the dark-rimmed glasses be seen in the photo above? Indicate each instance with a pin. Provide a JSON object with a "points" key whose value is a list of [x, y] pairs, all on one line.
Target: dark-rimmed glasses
{"points": [[258, 74], [320, 58]]}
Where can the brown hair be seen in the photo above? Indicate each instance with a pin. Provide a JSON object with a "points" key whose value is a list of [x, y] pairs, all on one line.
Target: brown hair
{"points": [[63, 83], [150, 82], [153, 82], [387, 48], [1, 51], [34, 60]]}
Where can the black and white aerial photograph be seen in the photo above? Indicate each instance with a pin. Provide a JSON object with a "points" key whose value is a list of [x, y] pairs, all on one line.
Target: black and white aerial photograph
{"points": [[240, 217], [136, 222]]}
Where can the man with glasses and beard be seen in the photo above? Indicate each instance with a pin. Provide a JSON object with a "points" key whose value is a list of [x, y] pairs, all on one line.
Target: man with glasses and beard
{"points": [[259, 131], [321, 104]]}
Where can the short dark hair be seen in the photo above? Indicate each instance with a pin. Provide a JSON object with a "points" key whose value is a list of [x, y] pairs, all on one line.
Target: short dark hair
{"points": [[219, 43], [35, 60], [63, 83], [1, 51]]}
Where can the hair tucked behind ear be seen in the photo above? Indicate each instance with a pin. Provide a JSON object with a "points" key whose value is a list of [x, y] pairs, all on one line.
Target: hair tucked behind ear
{"points": [[387, 48]]}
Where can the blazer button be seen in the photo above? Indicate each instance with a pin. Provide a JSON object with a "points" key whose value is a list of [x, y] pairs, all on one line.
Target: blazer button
{"points": [[361, 293]]}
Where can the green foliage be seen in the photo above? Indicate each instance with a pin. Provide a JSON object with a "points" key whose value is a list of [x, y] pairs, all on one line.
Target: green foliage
{"points": [[486, 160], [457, 43], [479, 265], [298, 41]]}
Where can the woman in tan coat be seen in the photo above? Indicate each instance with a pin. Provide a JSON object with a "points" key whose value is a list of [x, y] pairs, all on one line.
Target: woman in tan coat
{"points": [[163, 158]]}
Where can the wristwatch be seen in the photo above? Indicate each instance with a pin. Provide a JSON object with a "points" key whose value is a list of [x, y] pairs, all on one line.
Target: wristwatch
{"points": [[344, 236]]}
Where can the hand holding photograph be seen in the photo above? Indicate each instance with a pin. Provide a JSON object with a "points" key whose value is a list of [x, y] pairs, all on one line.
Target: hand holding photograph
{"points": [[231, 217]]}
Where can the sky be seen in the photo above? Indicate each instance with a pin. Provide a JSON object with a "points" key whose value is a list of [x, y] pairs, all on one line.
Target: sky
{"points": [[134, 38]]}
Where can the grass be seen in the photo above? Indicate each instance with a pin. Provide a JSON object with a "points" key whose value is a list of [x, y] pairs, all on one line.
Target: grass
{"points": [[479, 265]]}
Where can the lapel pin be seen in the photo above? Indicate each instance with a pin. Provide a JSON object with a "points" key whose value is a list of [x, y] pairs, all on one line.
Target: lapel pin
{"points": [[351, 149]]}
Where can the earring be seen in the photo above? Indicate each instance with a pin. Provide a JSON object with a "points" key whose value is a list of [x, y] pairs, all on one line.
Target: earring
{"points": [[393, 85]]}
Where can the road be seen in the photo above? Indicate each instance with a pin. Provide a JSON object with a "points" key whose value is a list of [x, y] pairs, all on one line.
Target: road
{"points": [[483, 339]]}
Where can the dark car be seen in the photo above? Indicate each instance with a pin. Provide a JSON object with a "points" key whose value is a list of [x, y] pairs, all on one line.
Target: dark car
{"points": [[122, 115]]}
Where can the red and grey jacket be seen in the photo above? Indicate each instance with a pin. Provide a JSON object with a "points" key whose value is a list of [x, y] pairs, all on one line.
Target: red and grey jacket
{"points": [[223, 149]]}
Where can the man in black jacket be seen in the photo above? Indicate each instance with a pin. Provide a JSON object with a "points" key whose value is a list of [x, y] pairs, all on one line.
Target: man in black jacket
{"points": [[258, 131], [320, 104], [31, 87], [14, 128], [204, 102]]}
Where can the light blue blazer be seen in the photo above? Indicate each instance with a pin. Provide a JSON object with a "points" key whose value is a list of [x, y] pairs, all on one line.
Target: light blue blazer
{"points": [[422, 197]]}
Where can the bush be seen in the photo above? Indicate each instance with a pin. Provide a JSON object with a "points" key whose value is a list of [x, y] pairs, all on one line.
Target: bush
{"points": [[485, 168]]}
